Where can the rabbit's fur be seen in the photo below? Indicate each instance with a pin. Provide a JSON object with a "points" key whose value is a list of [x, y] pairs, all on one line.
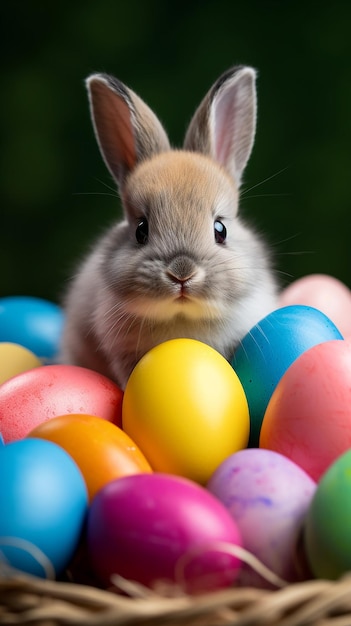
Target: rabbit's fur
{"points": [[167, 270]]}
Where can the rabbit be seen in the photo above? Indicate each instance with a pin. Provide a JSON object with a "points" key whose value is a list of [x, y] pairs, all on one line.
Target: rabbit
{"points": [[181, 263]]}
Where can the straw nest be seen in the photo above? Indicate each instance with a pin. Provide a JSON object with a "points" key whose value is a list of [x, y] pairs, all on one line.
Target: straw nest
{"points": [[28, 600]]}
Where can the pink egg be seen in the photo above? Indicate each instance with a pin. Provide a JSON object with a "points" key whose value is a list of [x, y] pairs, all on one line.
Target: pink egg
{"points": [[326, 293], [308, 418], [268, 496], [39, 394], [159, 527]]}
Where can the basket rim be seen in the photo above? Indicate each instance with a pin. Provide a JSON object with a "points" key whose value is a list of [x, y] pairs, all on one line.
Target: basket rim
{"points": [[26, 599]]}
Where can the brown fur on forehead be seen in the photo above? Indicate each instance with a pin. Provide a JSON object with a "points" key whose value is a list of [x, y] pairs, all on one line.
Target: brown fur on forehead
{"points": [[178, 182]]}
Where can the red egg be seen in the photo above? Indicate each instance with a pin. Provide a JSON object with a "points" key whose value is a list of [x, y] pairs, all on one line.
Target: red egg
{"points": [[308, 418], [326, 293], [37, 395]]}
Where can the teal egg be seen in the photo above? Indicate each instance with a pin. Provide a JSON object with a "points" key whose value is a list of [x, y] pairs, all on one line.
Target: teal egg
{"points": [[327, 536], [270, 347], [33, 323], [43, 506]]}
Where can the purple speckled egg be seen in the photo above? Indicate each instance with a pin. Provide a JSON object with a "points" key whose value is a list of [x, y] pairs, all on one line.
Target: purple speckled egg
{"points": [[157, 527], [268, 497]]}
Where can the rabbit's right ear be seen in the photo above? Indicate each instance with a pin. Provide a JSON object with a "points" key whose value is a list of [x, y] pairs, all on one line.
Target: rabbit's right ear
{"points": [[224, 124], [126, 129]]}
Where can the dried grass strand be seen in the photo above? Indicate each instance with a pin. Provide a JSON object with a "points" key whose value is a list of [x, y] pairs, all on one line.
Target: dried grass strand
{"points": [[31, 601]]}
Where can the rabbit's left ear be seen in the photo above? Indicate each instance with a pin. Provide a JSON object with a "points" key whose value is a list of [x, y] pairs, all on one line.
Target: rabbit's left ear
{"points": [[126, 129], [224, 124]]}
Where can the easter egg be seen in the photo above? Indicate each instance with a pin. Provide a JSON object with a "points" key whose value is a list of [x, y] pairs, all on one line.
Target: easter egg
{"points": [[308, 418], [326, 293], [33, 323], [48, 391], [43, 504], [185, 408], [327, 535], [158, 527], [268, 496], [15, 359], [266, 352], [101, 450]]}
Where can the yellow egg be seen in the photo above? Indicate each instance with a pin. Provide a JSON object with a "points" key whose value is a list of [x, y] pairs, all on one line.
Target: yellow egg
{"points": [[185, 408], [15, 359]]}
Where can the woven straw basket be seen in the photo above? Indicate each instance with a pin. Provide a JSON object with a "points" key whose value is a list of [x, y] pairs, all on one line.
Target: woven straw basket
{"points": [[32, 601]]}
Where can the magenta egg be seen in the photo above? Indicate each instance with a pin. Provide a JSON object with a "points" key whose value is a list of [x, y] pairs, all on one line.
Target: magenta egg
{"points": [[30, 398], [158, 527], [308, 418], [268, 496]]}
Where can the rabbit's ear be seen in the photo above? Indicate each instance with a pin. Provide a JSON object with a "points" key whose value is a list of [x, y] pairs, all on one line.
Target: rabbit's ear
{"points": [[126, 129], [224, 124]]}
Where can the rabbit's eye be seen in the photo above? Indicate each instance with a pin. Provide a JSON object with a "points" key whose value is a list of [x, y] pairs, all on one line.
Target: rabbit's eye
{"points": [[220, 232], [142, 231]]}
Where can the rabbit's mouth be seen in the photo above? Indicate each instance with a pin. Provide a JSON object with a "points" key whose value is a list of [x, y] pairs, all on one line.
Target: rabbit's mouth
{"points": [[182, 297], [183, 293], [184, 301], [187, 305]]}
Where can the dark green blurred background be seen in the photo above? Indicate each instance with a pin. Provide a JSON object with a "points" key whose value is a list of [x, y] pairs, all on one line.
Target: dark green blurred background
{"points": [[56, 193]]}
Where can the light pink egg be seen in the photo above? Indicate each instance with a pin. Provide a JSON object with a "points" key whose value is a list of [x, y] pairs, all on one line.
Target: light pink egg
{"points": [[308, 418], [268, 496], [326, 293]]}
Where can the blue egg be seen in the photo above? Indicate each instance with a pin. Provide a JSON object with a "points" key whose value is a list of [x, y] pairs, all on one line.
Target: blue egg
{"points": [[2, 443], [270, 347], [33, 323], [43, 504]]}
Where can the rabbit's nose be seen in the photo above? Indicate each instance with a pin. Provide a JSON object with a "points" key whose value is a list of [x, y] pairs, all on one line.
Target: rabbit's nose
{"points": [[181, 270]]}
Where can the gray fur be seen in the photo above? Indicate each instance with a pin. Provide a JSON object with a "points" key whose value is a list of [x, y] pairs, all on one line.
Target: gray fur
{"points": [[127, 297]]}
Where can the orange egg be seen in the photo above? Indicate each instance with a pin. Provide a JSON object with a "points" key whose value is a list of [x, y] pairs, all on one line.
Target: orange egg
{"points": [[101, 450]]}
